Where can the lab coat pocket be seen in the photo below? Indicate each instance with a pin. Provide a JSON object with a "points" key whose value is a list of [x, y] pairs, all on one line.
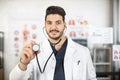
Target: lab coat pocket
{"points": [[77, 70]]}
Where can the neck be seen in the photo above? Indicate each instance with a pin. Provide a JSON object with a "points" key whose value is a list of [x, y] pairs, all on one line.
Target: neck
{"points": [[55, 42], [58, 43]]}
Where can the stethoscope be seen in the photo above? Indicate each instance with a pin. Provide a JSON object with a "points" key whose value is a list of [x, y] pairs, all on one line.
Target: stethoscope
{"points": [[36, 48]]}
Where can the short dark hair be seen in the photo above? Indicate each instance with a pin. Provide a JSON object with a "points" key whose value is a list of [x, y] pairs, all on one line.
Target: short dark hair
{"points": [[55, 10]]}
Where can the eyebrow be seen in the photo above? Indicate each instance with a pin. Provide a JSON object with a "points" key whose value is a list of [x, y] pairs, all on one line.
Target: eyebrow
{"points": [[52, 21]]}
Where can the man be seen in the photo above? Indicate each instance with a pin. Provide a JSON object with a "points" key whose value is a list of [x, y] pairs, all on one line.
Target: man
{"points": [[59, 58]]}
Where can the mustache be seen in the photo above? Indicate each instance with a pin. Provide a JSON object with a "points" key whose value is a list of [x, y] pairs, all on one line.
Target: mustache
{"points": [[54, 30]]}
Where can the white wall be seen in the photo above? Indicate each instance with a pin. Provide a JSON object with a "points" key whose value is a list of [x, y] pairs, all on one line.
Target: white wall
{"points": [[97, 12]]}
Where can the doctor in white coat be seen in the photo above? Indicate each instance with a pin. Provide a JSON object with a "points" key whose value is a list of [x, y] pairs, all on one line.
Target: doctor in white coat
{"points": [[59, 58]]}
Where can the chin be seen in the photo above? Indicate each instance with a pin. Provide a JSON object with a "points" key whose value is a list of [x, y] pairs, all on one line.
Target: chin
{"points": [[55, 38]]}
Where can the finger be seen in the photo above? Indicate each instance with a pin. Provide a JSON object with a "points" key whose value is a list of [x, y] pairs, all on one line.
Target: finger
{"points": [[26, 55], [29, 50], [28, 45], [33, 42]]}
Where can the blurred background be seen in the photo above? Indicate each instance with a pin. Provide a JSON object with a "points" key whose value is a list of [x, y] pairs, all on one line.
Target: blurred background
{"points": [[92, 23]]}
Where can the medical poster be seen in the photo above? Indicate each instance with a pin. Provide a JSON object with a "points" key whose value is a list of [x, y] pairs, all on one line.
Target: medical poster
{"points": [[78, 34], [102, 35], [116, 52], [21, 32], [90, 35]]}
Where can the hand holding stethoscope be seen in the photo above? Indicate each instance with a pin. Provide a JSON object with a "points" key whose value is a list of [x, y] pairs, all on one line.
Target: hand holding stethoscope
{"points": [[28, 53]]}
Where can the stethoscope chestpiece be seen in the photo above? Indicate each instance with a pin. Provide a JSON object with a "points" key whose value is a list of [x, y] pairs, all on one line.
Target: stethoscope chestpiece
{"points": [[36, 47]]}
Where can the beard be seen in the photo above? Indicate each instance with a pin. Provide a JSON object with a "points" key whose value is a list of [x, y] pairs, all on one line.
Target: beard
{"points": [[55, 36]]}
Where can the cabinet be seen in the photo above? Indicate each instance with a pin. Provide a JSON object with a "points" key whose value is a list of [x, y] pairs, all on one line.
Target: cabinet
{"points": [[1, 55], [102, 61]]}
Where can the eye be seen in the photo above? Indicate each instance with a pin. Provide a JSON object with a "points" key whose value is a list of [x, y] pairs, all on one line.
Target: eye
{"points": [[49, 22], [58, 22]]}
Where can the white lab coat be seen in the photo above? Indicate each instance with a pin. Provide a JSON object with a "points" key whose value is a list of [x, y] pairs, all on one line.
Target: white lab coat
{"points": [[77, 64]]}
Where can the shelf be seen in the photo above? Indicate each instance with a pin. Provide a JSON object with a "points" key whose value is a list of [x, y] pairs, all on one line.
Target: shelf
{"points": [[103, 78], [102, 63]]}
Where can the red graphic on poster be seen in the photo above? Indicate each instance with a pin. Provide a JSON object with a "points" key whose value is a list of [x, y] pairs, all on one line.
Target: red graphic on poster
{"points": [[78, 21], [25, 34], [72, 34], [115, 57], [115, 52], [83, 34], [71, 22]]}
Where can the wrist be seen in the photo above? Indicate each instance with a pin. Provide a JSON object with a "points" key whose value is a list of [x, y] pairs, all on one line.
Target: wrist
{"points": [[22, 65], [23, 62]]}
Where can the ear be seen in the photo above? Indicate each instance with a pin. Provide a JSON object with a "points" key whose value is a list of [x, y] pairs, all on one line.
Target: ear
{"points": [[65, 24]]}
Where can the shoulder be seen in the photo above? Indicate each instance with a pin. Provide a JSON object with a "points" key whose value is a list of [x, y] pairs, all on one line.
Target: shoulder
{"points": [[77, 45], [79, 50]]}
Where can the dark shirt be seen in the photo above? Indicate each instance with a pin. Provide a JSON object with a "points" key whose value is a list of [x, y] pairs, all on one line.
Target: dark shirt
{"points": [[59, 55]]}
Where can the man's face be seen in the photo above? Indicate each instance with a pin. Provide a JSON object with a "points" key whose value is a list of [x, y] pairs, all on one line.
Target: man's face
{"points": [[54, 26]]}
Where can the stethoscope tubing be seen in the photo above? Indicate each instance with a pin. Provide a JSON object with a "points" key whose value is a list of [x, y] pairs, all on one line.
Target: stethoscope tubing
{"points": [[45, 63]]}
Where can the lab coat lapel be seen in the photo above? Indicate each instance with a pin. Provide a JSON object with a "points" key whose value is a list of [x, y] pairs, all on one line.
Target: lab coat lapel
{"points": [[45, 52], [68, 60], [69, 50]]}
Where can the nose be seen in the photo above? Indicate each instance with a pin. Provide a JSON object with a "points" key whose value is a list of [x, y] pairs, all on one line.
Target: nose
{"points": [[54, 26]]}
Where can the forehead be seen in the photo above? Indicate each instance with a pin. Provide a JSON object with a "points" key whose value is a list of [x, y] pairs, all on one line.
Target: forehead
{"points": [[53, 17]]}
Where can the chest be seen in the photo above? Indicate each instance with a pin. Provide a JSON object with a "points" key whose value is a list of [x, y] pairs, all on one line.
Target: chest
{"points": [[74, 68]]}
